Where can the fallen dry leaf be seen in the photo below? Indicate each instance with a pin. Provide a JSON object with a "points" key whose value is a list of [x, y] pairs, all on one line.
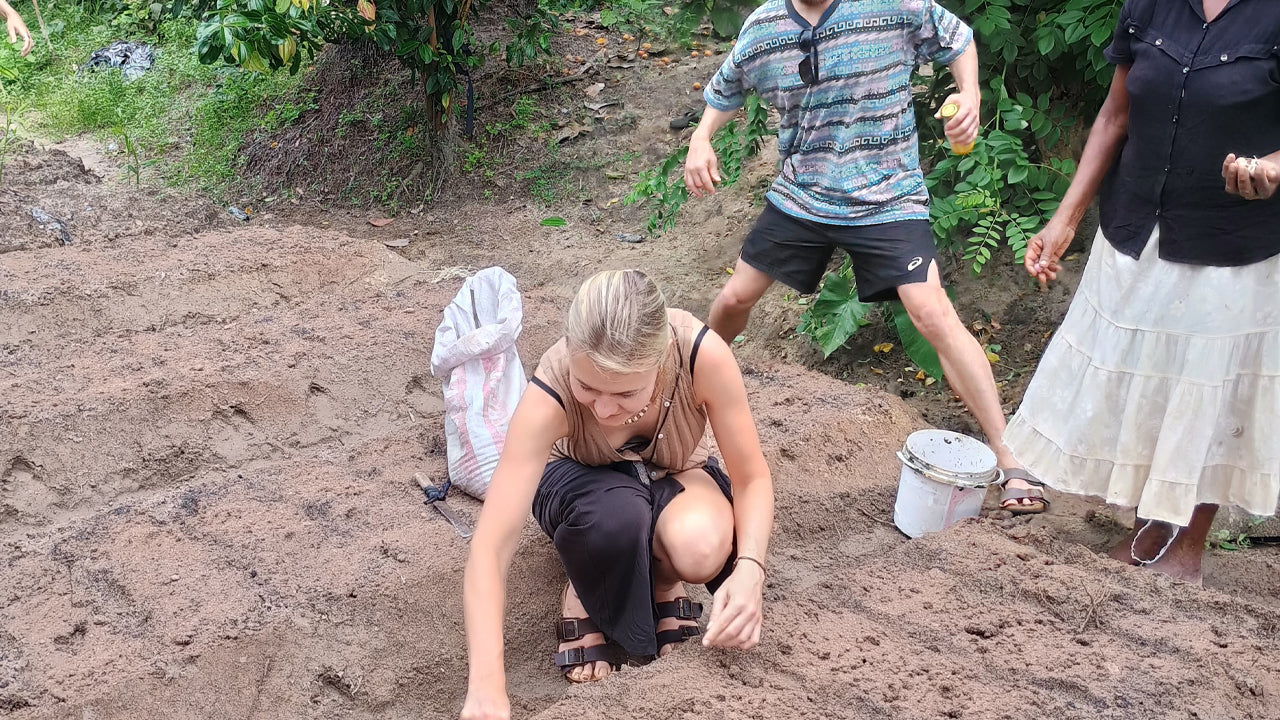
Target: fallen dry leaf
{"points": [[883, 347], [381, 222], [592, 91], [571, 132], [396, 243]]}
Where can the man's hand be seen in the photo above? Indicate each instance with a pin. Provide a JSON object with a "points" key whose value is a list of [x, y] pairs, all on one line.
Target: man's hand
{"points": [[737, 610], [701, 167], [1250, 178], [962, 129]]}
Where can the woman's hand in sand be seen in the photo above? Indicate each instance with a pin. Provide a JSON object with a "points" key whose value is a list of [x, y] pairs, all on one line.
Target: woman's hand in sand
{"points": [[737, 610], [486, 704]]}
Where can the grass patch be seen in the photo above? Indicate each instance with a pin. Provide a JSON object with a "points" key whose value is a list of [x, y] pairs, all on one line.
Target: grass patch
{"points": [[192, 117]]}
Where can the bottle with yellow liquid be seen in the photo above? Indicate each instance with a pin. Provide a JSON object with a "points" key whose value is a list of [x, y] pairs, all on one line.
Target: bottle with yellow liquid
{"points": [[947, 112]]}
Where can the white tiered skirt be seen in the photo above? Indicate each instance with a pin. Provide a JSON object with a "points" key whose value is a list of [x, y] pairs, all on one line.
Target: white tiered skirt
{"points": [[1161, 389]]}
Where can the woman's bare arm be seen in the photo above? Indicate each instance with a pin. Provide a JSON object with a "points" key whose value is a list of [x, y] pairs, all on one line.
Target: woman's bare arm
{"points": [[536, 425]]}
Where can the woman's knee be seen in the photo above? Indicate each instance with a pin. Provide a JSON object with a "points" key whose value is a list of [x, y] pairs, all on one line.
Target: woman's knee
{"points": [[697, 540]]}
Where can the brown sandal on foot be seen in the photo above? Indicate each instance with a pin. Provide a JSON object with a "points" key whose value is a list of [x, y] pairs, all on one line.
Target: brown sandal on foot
{"points": [[1009, 497], [682, 608], [570, 629]]}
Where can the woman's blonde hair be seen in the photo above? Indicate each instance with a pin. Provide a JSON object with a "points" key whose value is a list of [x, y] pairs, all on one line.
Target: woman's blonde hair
{"points": [[619, 321]]}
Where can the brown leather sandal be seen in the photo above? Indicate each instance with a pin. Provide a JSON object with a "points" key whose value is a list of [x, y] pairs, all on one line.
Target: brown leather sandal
{"points": [[682, 608], [570, 629], [1012, 495]]}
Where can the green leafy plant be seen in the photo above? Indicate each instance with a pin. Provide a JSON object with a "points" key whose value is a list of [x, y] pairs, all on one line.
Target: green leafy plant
{"points": [[663, 187], [1228, 539], [1045, 76], [434, 39], [9, 137], [836, 314], [134, 163], [530, 37]]}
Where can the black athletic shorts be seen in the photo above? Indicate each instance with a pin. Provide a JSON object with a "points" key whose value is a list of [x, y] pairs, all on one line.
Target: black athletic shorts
{"points": [[796, 252]]}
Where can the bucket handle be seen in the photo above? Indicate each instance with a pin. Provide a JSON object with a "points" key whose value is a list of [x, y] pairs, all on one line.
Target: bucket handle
{"points": [[929, 473]]}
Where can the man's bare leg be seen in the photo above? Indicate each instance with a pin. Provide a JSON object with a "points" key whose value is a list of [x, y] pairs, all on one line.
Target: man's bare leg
{"points": [[963, 361], [732, 307]]}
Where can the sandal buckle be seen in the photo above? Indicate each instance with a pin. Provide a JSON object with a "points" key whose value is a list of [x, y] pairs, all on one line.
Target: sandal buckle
{"points": [[685, 609], [575, 656], [568, 630]]}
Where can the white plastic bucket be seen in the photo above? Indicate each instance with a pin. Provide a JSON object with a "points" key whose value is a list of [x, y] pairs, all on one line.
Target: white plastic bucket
{"points": [[944, 479]]}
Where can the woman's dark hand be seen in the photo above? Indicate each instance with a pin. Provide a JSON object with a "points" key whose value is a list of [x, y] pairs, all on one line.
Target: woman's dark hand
{"points": [[1045, 249], [1251, 178]]}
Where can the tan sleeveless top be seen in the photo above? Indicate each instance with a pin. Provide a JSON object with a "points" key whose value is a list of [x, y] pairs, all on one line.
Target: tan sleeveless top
{"points": [[680, 441]]}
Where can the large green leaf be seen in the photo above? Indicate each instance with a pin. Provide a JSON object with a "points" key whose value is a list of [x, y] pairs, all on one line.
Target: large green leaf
{"points": [[837, 313], [914, 344], [726, 21]]}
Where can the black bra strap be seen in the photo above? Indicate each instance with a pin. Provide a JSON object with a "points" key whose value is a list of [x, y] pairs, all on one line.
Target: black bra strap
{"points": [[538, 381], [697, 343]]}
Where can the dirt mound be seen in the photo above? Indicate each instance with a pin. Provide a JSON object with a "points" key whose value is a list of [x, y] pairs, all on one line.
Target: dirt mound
{"points": [[50, 198]]}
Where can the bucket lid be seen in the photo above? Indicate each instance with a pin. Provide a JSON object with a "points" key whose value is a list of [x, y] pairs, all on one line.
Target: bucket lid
{"points": [[951, 458]]}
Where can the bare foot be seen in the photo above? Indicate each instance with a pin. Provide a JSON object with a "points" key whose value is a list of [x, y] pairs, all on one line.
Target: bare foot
{"points": [[571, 607], [1180, 561], [667, 594]]}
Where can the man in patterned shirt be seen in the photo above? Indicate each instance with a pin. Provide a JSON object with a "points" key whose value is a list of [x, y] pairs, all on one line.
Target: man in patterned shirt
{"points": [[839, 74]]}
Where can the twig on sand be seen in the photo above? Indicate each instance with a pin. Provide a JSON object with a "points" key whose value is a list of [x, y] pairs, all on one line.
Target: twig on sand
{"points": [[1050, 605], [882, 521], [262, 680], [1091, 612]]}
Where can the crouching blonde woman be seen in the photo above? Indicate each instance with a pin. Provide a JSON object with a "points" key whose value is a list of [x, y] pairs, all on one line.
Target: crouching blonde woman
{"points": [[630, 497]]}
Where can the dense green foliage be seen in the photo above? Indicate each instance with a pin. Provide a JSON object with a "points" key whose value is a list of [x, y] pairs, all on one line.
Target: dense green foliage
{"points": [[1044, 79]]}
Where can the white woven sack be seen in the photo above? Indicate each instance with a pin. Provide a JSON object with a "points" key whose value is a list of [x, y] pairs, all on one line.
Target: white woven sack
{"points": [[475, 353]]}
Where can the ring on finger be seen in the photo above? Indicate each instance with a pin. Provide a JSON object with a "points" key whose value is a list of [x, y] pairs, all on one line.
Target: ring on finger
{"points": [[1251, 165]]}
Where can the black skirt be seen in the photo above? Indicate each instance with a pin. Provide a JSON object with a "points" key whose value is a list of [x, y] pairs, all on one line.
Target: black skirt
{"points": [[601, 521]]}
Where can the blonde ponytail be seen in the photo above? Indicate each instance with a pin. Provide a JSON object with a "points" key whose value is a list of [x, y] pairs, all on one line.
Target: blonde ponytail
{"points": [[619, 321]]}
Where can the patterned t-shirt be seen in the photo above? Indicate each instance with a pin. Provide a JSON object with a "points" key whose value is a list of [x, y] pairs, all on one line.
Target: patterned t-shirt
{"points": [[849, 148]]}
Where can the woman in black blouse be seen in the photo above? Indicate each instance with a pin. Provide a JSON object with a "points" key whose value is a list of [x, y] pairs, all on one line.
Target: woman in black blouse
{"points": [[1161, 389]]}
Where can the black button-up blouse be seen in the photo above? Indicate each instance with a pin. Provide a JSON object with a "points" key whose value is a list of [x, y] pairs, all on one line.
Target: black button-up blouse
{"points": [[1197, 91]]}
